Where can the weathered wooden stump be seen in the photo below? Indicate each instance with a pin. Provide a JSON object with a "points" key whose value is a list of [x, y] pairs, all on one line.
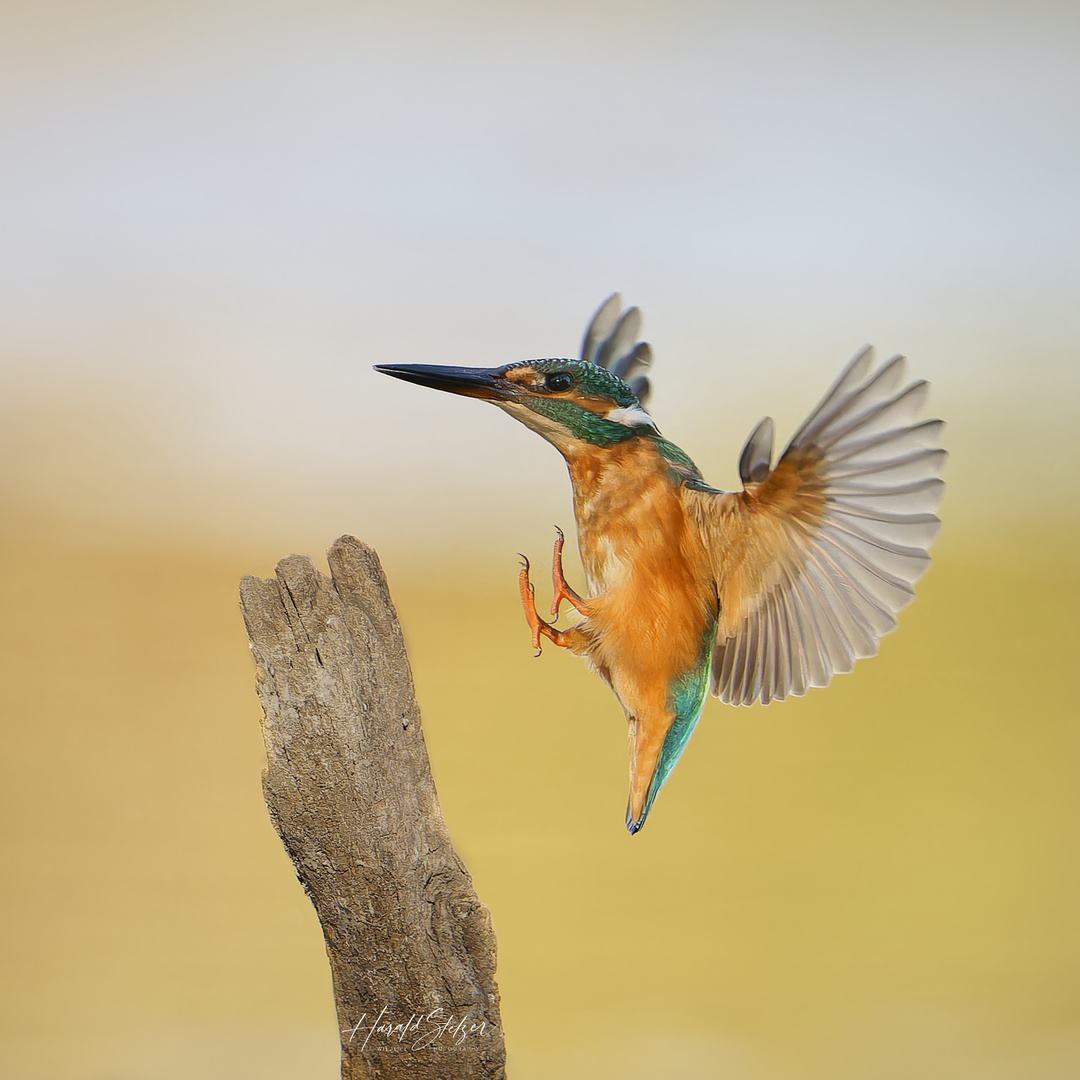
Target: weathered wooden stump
{"points": [[349, 790]]}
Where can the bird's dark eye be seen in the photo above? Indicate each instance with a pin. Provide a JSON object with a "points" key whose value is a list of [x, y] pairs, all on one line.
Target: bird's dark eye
{"points": [[559, 381]]}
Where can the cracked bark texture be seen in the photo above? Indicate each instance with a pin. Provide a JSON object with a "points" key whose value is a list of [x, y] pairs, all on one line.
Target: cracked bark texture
{"points": [[349, 790]]}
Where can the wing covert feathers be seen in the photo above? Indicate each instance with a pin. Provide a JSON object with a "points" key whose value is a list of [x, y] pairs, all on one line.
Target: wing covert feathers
{"points": [[814, 559]]}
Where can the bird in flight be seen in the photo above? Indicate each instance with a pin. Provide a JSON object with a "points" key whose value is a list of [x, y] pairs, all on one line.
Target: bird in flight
{"points": [[753, 595]]}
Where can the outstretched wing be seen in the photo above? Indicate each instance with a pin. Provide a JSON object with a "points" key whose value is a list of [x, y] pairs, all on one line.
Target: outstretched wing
{"points": [[814, 558], [611, 342]]}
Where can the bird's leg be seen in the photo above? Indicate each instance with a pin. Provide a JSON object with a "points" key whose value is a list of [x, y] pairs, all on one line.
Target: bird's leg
{"points": [[565, 639], [562, 590]]}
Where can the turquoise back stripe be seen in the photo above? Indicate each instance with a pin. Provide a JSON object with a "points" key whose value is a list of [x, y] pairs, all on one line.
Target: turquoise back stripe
{"points": [[687, 700]]}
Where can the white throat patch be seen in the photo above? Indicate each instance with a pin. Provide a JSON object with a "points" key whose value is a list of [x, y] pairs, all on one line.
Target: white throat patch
{"points": [[635, 416]]}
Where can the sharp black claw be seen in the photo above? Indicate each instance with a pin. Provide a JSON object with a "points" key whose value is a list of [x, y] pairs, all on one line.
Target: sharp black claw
{"points": [[524, 562], [559, 533]]}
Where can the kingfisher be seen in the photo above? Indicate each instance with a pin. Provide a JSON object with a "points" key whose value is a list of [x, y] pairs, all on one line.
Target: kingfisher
{"points": [[753, 595]]}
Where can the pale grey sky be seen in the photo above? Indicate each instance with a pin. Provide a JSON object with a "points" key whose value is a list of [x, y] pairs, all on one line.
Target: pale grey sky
{"points": [[216, 217]]}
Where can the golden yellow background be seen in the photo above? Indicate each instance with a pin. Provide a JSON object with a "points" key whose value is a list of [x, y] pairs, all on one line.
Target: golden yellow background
{"points": [[216, 218]]}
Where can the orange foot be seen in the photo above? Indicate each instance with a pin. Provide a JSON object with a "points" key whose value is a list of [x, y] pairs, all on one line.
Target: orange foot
{"points": [[562, 590], [562, 638]]}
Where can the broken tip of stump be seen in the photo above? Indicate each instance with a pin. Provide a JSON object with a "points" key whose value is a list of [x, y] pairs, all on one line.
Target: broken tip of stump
{"points": [[349, 790]]}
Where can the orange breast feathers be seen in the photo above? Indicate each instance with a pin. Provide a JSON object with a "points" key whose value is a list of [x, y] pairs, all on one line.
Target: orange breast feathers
{"points": [[651, 590]]}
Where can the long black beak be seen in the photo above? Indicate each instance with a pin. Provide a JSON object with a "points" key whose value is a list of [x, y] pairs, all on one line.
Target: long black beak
{"points": [[473, 382]]}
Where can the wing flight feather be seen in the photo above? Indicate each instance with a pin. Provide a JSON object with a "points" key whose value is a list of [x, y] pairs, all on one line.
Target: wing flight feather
{"points": [[813, 559], [611, 342]]}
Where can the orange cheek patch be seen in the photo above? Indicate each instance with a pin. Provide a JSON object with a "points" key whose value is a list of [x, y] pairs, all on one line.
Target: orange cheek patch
{"points": [[597, 405], [523, 376]]}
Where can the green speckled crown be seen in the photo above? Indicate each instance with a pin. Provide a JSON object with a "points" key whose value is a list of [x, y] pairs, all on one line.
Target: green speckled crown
{"points": [[588, 379]]}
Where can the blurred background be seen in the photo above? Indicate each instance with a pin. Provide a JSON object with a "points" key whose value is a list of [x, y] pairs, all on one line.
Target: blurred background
{"points": [[214, 219]]}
